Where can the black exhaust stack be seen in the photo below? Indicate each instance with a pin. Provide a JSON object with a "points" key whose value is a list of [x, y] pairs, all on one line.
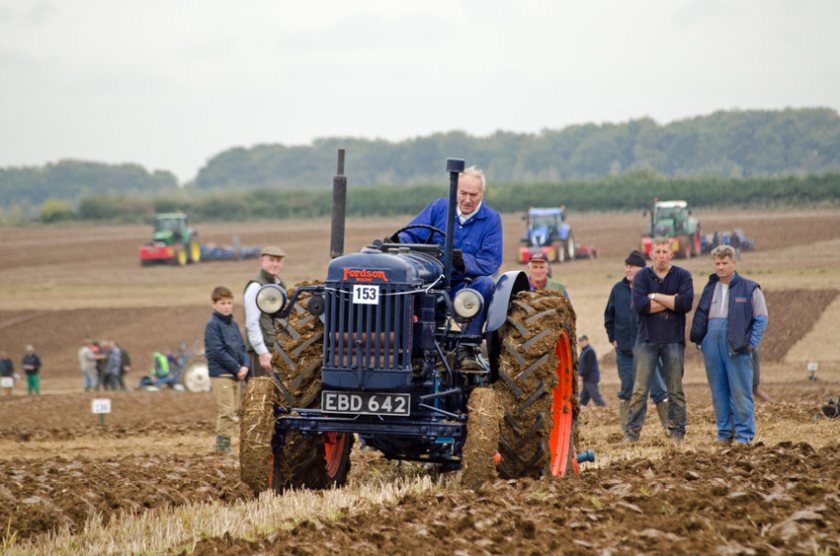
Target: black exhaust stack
{"points": [[454, 166], [339, 209]]}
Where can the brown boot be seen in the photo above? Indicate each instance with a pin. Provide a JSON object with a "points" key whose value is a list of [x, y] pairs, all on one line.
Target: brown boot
{"points": [[662, 411], [623, 409], [468, 360]]}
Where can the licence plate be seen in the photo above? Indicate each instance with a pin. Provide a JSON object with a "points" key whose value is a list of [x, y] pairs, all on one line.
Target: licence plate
{"points": [[366, 403]]}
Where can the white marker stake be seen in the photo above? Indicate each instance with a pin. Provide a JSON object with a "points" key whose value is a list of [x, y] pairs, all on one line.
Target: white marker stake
{"points": [[101, 406], [7, 382]]}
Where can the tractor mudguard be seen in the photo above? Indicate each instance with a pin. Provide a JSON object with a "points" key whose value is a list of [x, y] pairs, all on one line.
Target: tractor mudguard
{"points": [[507, 286], [564, 231]]}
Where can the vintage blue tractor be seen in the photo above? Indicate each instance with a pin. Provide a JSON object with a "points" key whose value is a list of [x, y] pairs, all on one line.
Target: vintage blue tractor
{"points": [[370, 353]]}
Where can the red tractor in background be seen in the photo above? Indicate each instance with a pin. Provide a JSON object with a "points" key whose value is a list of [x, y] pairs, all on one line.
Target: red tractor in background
{"points": [[173, 242], [672, 219]]}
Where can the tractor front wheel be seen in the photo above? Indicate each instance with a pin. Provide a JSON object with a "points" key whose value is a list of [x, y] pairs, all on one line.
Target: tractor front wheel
{"points": [[570, 247], [306, 460], [482, 444], [537, 387], [195, 252]]}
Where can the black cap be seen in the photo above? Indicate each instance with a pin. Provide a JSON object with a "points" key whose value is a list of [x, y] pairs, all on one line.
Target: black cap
{"points": [[635, 259]]}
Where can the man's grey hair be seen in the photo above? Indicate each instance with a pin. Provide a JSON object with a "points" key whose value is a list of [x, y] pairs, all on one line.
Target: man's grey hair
{"points": [[722, 251], [479, 173], [661, 241]]}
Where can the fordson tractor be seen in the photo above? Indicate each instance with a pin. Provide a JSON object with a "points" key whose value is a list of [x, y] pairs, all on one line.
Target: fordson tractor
{"points": [[173, 242], [370, 353], [549, 233]]}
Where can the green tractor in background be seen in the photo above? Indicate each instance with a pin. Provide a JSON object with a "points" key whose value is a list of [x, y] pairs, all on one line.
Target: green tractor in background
{"points": [[173, 242]]}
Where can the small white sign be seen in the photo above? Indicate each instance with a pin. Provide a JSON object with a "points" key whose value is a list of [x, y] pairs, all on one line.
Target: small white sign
{"points": [[101, 405], [812, 366], [365, 295], [7, 382]]}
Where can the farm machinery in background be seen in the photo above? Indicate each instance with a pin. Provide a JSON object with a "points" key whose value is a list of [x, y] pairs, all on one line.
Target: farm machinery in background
{"points": [[735, 238], [174, 242], [374, 353], [672, 219], [548, 232]]}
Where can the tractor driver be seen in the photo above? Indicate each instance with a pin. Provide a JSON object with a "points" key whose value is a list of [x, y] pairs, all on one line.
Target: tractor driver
{"points": [[478, 234], [260, 336]]}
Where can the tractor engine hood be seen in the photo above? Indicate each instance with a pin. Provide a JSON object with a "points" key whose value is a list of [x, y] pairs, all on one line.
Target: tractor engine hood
{"points": [[372, 266]]}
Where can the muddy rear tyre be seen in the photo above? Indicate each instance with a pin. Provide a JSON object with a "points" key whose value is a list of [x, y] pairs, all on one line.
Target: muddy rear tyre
{"points": [[483, 422], [306, 460], [537, 386]]}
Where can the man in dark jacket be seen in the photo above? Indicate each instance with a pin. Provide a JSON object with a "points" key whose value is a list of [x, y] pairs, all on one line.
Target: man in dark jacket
{"points": [[32, 368], [478, 236], [620, 322], [227, 363], [662, 295], [728, 326], [7, 373], [590, 373]]}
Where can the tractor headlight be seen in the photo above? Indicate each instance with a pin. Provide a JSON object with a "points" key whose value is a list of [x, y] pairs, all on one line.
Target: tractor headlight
{"points": [[468, 303], [271, 299]]}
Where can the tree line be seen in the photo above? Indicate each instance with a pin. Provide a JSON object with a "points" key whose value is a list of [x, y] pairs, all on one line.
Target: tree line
{"points": [[271, 180], [633, 191]]}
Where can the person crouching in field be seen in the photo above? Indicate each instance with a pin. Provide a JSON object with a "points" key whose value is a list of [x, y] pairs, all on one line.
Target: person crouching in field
{"points": [[227, 362], [728, 326]]}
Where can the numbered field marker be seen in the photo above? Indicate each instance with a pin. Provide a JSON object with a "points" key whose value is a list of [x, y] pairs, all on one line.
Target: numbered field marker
{"points": [[101, 407], [7, 382]]}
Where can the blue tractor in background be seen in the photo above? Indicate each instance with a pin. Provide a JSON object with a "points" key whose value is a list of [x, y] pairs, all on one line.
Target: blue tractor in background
{"points": [[370, 353], [547, 232]]}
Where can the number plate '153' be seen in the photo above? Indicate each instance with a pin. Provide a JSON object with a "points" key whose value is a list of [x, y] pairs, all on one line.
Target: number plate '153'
{"points": [[366, 295], [365, 403]]}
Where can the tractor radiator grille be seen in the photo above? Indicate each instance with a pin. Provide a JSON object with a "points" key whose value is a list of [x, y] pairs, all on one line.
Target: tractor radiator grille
{"points": [[367, 337]]}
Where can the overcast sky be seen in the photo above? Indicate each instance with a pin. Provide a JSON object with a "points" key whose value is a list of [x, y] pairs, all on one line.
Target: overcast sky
{"points": [[168, 84]]}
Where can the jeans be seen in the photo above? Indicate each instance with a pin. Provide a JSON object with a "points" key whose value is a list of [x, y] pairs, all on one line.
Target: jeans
{"points": [[486, 287], [646, 355], [90, 380], [624, 362], [730, 378], [590, 391]]}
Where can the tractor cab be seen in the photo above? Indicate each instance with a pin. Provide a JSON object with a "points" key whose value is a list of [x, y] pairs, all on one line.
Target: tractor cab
{"points": [[171, 227]]}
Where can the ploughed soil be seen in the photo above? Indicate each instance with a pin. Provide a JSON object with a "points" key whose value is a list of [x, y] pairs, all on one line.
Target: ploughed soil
{"points": [[760, 499]]}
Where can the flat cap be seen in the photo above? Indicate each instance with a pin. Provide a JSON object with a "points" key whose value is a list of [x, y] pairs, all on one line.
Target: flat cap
{"points": [[537, 257], [635, 259], [272, 251]]}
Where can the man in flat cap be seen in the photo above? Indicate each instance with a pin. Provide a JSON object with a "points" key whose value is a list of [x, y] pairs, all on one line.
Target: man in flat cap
{"points": [[261, 334], [620, 321]]}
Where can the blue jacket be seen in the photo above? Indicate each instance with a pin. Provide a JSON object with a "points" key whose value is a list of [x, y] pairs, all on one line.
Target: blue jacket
{"points": [[665, 327], [743, 330], [224, 347], [480, 239], [589, 370], [620, 318]]}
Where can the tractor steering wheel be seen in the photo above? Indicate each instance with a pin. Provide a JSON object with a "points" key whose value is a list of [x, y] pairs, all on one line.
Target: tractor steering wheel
{"points": [[422, 226]]}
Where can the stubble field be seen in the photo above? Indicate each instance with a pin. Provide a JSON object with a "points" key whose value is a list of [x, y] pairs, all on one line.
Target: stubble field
{"points": [[147, 481]]}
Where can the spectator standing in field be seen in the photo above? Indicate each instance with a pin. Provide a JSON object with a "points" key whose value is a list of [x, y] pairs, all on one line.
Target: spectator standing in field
{"points": [[261, 334], [728, 326], [662, 295], [620, 321], [101, 350], [32, 368], [87, 364], [7, 372], [227, 362], [125, 366], [539, 275], [590, 373], [112, 368]]}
